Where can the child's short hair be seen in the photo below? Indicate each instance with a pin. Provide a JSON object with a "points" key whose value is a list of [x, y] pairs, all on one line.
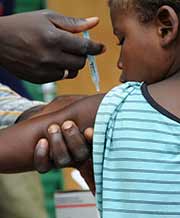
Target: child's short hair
{"points": [[147, 9]]}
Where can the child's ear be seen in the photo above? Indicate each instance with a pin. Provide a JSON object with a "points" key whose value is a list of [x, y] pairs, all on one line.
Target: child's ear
{"points": [[168, 24]]}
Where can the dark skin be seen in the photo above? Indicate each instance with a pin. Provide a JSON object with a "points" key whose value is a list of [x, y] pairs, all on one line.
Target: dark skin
{"points": [[18, 154], [57, 104], [69, 142], [72, 146], [160, 67], [39, 46]]}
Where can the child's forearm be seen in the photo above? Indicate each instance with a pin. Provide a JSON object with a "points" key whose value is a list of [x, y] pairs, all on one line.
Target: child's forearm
{"points": [[17, 143]]}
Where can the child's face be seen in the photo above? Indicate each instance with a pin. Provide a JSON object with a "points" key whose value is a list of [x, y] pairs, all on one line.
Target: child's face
{"points": [[142, 57]]}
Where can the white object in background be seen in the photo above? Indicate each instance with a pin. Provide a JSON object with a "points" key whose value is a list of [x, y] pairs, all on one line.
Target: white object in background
{"points": [[75, 174], [75, 204], [49, 91]]}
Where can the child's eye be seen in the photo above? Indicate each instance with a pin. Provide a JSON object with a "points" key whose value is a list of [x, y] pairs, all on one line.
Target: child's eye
{"points": [[122, 41]]}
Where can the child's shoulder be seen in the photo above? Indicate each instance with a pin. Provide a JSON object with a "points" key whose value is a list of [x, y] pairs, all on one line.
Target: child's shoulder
{"points": [[127, 87], [121, 92]]}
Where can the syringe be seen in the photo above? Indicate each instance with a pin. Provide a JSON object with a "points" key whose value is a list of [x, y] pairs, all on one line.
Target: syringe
{"points": [[93, 66]]}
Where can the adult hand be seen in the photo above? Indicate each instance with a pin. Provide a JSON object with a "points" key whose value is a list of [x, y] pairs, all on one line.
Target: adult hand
{"points": [[67, 137], [39, 46], [56, 134], [41, 157], [68, 146], [71, 148], [82, 112]]}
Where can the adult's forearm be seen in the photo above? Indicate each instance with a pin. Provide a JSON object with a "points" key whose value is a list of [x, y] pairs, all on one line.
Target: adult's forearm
{"points": [[5, 42]]}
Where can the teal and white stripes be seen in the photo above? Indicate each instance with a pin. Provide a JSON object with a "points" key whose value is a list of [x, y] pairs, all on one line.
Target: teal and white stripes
{"points": [[136, 157]]}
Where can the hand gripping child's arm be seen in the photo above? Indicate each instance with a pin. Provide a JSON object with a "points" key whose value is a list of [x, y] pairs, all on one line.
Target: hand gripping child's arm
{"points": [[17, 143]]}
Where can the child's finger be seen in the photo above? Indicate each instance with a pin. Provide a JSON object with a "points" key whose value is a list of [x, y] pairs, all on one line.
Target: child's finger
{"points": [[75, 141], [41, 156], [59, 152]]}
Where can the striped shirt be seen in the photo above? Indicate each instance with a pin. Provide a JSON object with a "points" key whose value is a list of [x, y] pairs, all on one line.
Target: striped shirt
{"points": [[136, 156], [12, 105]]}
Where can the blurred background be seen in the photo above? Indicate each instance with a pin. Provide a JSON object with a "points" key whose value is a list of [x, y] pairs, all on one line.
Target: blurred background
{"points": [[23, 188]]}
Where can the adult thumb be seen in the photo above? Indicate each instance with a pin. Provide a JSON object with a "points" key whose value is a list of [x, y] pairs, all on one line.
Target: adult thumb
{"points": [[71, 24]]}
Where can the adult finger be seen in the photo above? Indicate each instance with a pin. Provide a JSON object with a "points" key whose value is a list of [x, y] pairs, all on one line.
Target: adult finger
{"points": [[71, 24], [70, 61], [59, 152], [41, 157], [88, 133], [75, 141], [76, 25], [80, 46], [58, 73]]}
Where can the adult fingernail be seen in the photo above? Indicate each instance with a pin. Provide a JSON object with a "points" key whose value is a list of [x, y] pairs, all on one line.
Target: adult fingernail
{"points": [[92, 19], [54, 128], [42, 147], [89, 132], [67, 125]]}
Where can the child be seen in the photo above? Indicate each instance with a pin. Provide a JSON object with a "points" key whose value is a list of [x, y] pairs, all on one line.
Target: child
{"points": [[136, 149], [137, 130], [137, 138]]}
